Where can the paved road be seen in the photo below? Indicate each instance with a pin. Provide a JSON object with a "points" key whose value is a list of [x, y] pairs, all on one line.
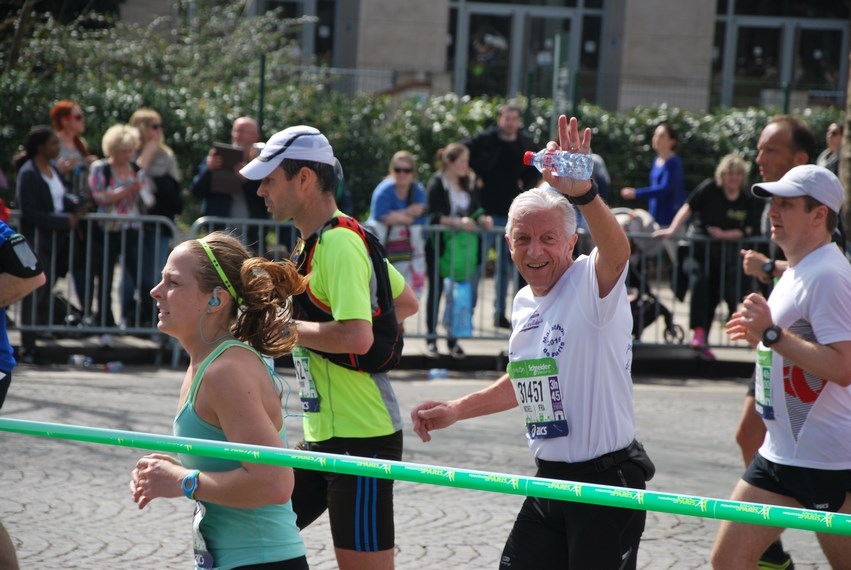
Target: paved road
{"points": [[66, 504]]}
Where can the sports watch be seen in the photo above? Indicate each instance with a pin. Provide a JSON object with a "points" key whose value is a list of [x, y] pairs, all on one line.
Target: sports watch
{"points": [[771, 335], [768, 267], [190, 484]]}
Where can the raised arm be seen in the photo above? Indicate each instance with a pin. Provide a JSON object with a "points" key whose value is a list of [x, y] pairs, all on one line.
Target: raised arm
{"points": [[608, 235]]}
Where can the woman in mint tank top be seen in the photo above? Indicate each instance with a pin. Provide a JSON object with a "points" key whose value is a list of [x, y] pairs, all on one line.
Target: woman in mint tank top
{"points": [[214, 298]]}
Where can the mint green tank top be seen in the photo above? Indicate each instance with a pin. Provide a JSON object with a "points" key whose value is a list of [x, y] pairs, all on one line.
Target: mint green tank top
{"points": [[236, 537]]}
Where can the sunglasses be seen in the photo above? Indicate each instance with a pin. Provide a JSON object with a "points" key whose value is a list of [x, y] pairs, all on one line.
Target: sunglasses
{"points": [[400, 170], [284, 148], [156, 126]]}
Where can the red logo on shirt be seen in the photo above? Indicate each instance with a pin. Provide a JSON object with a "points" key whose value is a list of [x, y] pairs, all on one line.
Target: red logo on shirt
{"points": [[795, 384]]}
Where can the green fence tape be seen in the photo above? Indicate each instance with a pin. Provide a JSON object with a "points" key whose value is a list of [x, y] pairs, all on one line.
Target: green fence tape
{"points": [[751, 513]]}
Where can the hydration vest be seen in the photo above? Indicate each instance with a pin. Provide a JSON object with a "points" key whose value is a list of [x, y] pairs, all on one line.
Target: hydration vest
{"points": [[386, 349]]}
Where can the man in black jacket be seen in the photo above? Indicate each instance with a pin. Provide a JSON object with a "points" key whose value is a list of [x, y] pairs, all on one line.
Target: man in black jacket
{"points": [[237, 196], [496, 156]]}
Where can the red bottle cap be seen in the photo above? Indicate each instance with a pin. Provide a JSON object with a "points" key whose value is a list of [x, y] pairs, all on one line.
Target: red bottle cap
{"points": [[528, 158]]}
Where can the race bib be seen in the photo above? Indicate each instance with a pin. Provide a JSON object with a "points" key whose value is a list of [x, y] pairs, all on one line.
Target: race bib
{"points": [[538, 392], [203, 558], [306, 387], [762, 384]]}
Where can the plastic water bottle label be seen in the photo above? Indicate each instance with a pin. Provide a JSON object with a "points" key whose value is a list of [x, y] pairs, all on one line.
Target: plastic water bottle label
{"points": [[576, 165]]}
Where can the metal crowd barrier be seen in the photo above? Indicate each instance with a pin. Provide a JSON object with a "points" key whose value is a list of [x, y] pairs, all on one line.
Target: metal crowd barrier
{"points": [[657, 278], [77, 295]]}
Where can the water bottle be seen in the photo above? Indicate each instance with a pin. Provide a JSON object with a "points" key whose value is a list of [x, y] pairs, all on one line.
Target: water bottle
{"points": [[576, 165], [114, 366], [80, 360], [438, 373]]}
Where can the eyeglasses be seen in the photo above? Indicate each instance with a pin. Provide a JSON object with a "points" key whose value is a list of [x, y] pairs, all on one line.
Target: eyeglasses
{"points": [[156, 126], [400, 170], [287, 145]]}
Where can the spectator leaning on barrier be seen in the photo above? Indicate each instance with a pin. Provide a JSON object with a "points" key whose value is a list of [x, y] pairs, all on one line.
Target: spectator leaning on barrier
{"points": [[350, 407], [569, 370], [720, 209], [397, 215], [802, 334], [226, 309]]}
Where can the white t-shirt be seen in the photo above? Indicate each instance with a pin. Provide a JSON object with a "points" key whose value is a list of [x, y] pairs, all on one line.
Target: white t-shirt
{"points": [[812, 417], [571, 354], [57, 191]]}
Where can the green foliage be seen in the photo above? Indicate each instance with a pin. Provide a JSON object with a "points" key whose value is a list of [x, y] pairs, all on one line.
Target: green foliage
{"points": [[200, 78]]}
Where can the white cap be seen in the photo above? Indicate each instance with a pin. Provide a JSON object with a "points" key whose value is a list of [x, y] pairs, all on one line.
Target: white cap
{"points": [[805, 180], [299, 143]]}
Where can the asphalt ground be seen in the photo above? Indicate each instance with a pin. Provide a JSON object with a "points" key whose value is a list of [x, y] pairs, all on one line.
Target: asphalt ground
{"points": [[66, 504]]}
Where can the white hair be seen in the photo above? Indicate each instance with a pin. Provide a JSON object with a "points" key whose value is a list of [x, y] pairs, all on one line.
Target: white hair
{"points": [[539, 199]]}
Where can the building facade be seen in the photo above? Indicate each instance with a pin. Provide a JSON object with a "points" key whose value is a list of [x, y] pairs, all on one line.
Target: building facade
{"points": [[616, 53]]}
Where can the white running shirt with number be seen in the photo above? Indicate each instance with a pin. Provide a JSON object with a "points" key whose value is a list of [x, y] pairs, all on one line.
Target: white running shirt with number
{"points": [[589, 342], [812, 417]]}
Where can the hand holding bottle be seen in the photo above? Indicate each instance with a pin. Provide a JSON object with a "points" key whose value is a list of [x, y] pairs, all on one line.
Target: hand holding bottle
{"points": [[573, 141]]}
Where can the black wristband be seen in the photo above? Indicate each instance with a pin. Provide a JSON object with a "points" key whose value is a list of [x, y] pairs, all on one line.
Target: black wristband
{"points": [[585, 198]]}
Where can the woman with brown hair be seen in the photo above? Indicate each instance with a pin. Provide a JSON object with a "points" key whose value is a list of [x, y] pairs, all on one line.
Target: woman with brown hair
{"points": [[227, 309], [453, 202]]}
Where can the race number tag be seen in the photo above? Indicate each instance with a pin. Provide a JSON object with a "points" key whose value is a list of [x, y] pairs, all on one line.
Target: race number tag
{"points": [[306, 388], [762, 384], [203, 558], [539, 395]]}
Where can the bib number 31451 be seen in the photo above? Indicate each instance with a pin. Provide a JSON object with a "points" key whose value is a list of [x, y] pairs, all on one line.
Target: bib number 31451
{"points": [[538, 392]]}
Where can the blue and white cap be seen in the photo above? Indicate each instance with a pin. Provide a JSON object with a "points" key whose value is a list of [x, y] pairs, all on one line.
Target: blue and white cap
{"points": [[299, 143]]}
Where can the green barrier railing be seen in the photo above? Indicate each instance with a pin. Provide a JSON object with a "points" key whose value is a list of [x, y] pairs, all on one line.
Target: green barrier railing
{"points": [[750, 513]]}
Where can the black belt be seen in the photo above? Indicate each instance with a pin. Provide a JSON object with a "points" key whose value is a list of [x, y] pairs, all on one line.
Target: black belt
{"points": [[596, 465]]}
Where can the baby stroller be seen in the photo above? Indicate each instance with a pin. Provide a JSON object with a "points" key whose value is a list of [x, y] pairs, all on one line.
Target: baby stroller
{"points": [[645, 305]]}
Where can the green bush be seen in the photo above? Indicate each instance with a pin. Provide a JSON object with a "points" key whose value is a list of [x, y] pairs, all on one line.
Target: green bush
{"points": [[200, 88]]}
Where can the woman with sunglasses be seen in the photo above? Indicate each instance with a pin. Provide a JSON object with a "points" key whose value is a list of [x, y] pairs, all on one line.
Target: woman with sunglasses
{"points": [[397, 215], [74, 154], [157, 161], [73, 164]]}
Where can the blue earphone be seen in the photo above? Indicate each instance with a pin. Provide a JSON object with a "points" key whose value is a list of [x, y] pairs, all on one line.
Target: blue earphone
{"points": [[214, 300]]}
